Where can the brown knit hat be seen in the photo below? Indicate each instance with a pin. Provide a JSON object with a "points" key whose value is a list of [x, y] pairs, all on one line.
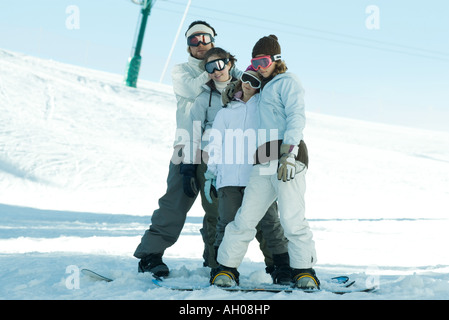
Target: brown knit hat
{"points": [[267, 45]]}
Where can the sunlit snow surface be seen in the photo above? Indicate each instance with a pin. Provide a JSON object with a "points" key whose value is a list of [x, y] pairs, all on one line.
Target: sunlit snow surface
{"points": [[84, 159]]}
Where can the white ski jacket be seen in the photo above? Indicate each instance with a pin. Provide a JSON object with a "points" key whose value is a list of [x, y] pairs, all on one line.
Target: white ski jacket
{"points": [[282, 107], [233, 142], [188, 79], [202, 116]]}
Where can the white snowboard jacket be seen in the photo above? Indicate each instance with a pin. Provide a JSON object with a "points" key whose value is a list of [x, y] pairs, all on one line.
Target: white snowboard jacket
{"points": [[188, 79], [233, 142], [202, 116], [282, 108]]}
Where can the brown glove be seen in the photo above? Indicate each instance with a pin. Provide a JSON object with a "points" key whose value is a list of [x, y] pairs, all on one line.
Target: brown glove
{"points": [[287, 163], [228, 93]]}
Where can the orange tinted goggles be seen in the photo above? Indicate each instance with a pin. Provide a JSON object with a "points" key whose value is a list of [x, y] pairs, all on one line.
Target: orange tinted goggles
{"points": [[200, 38]]}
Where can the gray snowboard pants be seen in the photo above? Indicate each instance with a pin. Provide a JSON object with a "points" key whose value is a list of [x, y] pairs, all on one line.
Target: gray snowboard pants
{"points": [[169, 219]]}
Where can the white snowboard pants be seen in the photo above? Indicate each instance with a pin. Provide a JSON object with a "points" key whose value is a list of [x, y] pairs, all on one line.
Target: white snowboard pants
{"points": [[264, 188]]}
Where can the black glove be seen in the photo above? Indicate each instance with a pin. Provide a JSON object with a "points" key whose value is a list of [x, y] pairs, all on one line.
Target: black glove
{"points": [[189, 182]]}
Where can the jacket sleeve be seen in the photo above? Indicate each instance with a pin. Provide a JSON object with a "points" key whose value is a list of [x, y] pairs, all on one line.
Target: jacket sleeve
{"points": [[196, 127], [216, 139], [185, 85], [292, 96], [236, 73]]}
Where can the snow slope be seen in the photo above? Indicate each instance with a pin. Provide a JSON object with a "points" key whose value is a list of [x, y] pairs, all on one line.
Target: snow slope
{"points": [[83, 161]]}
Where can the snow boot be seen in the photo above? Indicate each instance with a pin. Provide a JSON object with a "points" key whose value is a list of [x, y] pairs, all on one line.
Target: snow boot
{"points": [[305, 279], [153, 264], [282, 273], [224, 277]]}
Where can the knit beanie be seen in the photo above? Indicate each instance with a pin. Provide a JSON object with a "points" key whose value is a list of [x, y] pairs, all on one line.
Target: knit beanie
{"points": [[254, 73], [268, 45], [200, 28], [250, 68]]}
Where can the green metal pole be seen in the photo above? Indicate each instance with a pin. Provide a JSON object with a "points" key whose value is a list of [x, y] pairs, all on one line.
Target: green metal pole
{"points": [[133, 67]]}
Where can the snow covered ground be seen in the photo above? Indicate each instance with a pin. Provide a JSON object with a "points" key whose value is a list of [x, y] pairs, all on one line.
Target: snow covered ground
{"points": [[83, 161]]}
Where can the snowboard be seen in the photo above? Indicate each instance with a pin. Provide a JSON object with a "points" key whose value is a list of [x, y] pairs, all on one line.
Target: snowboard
{"points": [[340, 285], [95, 276], [342, 280]]}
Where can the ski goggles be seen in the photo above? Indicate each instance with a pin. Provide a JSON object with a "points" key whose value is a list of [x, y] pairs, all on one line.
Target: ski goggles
{"points": [[253, 81], [218, 65], [264, 61], [200, 38]]}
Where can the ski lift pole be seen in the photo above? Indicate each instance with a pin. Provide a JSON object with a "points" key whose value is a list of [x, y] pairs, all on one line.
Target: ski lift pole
{"points": [[133, 68], [174, 42]]}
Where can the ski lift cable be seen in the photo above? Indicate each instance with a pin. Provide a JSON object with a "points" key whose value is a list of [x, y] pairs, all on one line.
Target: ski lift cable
{"points": [[331, 39], [329, 33]]}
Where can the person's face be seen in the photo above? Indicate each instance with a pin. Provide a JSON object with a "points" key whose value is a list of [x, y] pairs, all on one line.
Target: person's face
{"points": [[219, 75], [200, 51], [268, 71], [248, 91]]}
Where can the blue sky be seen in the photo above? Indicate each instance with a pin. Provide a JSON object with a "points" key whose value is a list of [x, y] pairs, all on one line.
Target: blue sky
{"points": [[396, 73]]}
